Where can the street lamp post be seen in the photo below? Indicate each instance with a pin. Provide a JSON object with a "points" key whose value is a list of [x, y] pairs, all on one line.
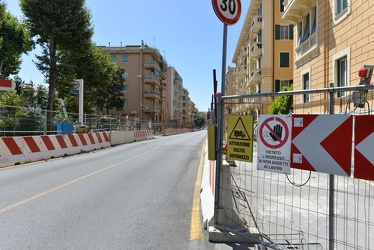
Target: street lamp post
{"points": [[139, 101]]}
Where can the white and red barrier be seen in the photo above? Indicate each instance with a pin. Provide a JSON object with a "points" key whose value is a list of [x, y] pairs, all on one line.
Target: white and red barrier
{"points": [[17, 150], [140, 135], [174, 131]]}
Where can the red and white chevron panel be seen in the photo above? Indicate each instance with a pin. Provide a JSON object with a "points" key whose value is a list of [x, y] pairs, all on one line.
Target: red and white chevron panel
{"points": [[140, 135], [33, 148]]}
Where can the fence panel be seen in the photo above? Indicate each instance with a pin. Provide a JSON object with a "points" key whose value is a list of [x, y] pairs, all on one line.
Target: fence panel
{"points": [[294, 210]]}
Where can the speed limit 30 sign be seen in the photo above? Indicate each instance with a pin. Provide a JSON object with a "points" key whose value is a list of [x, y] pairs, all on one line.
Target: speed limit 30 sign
{"points": [[228, 11]]}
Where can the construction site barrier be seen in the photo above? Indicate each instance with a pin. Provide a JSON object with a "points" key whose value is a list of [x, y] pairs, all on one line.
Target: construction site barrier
{"points": [[18, 150]]}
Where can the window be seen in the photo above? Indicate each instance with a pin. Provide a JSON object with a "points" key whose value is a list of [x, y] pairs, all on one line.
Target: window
{"points": [[125, 103], [125, 89], [281, 7], [283, 32], [306, 85], [341, 69], [259, 36], [125, 59], [126, 74], [342, 75], [308, 26], [340, 5], [279, 84], [284, 59], [342, 10], [259, 11], [113, 59]]}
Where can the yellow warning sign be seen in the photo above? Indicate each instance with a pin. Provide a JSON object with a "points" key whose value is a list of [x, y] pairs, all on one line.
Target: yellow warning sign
{"points": [[239, 138]]}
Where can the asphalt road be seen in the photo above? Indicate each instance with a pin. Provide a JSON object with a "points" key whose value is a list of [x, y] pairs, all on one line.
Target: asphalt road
{"points": [[134, 196]]}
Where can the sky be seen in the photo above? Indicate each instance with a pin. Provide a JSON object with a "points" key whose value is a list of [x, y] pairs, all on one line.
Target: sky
{"points": [[187, 33]]}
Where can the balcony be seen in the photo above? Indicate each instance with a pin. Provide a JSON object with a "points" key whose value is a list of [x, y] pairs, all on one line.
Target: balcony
{"points": [[255, 76], [243, 52], [243, 70], [307, 50], [256, 24], [152, 79], [152, 109], [294, 9], [163, 74], [151, 65], [256, 50], [151, 94]]}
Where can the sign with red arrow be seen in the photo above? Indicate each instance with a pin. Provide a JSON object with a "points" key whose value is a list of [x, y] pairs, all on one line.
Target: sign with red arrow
{"points": [[322, 143], [364, 144]]}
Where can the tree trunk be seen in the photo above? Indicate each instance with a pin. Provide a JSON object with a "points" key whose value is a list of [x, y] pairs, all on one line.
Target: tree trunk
{"points": [[52, 82]]}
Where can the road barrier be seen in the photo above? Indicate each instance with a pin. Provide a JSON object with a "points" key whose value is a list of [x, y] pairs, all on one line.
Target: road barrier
{"points": [[140, 135], [18, 150], [25, 149]]}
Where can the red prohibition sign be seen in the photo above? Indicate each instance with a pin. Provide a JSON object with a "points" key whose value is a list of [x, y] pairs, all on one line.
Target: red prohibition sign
{"points": [[228, 11], [280, 140]]}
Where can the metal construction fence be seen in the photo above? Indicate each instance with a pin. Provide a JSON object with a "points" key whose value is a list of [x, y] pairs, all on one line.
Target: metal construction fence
{"points": [[22, 121], [303, 209]]}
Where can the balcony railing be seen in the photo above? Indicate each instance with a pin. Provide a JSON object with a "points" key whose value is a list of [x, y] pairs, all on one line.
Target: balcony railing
{"points": [[152, 109], [256, 24], [155, 79], [307, 50], [256, 50], [256, 76], [151, 94]]}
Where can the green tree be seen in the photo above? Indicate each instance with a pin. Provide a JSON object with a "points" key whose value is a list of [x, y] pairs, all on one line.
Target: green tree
{"points": [[282, 104], [16, 40], [12, 103], [95, 68], [41, 96], [111, 95], [2, 13], [60, 27]]}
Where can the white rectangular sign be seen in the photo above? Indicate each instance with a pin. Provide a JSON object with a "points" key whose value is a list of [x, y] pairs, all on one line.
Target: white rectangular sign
{"points": [[274, 143]]}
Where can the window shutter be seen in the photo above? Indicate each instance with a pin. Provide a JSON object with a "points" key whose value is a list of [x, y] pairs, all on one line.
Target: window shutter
{"points": [[277, 32], [277, 85], [291, 31]]}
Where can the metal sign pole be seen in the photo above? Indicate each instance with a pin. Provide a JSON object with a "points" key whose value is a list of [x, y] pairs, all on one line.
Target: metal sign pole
{"points": [[331, 189], [220, 119]]}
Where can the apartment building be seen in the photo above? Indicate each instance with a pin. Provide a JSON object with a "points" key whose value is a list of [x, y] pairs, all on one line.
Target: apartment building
{"points": [[263, 56], [145, 87], [174, 96], [333, 39], [188, 108]]}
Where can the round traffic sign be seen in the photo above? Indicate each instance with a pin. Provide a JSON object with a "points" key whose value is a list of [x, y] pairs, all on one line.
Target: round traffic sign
{"points": [[274, 132], [228, 11]]}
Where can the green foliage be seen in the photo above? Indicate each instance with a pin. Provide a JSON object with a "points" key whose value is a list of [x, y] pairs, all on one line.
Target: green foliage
{"points": [[2, 13], [11, 102], [111, 95], [61, 27], [30, 122], [41, 96], [95, 68], [107, 119], [282, 104], [15, 41]]}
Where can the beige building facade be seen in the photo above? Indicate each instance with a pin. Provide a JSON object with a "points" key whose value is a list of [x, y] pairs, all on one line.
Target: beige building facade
{"points": [[145, 87], [263, 56], [176, 97], [153, 90], [333, 40]]}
